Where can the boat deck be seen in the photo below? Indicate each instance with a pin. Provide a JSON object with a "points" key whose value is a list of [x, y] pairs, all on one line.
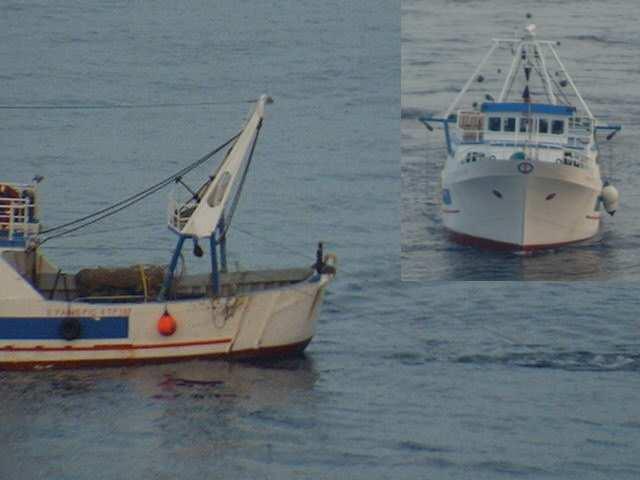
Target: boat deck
{"points": [[141, 284]]}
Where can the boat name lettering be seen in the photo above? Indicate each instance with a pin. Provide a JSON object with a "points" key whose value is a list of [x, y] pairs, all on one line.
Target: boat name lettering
{"points": [[89, 312]]}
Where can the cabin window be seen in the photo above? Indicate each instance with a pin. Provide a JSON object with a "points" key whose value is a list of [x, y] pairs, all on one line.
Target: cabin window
{"points": [[524, 125], [557, 127], [495, 124], [543, 125], [510, 125]]}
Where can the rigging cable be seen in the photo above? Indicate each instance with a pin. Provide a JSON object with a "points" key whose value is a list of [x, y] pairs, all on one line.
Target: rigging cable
{"points": [[129, 201], [560, 91], [119, 106], [609, 160]]}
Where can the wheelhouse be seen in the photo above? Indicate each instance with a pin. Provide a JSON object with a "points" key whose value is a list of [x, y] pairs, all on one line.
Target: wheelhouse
{"points": [[522, 119], [538, 105], [524, 122]]}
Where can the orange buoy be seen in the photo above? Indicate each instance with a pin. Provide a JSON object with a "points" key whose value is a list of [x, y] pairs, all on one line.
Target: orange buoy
{"points": [[167, 325]]}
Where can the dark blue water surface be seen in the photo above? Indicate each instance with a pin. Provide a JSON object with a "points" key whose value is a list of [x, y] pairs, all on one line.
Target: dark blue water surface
{"points": [[442, 43], [403, 380]]}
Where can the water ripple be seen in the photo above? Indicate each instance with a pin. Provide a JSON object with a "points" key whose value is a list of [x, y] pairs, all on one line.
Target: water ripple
{"points": [[570, 361]]}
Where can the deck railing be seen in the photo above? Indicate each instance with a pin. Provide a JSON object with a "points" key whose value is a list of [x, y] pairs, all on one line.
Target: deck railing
{"points": [[179, 213], [17, 217], [471, 126]]}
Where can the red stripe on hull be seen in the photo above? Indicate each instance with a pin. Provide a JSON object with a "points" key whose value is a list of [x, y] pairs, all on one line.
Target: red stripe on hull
{"points": [[485, 243], [123, 346], [291, 349]]}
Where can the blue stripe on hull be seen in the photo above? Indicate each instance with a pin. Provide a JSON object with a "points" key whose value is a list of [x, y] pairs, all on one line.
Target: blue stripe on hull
{"points": [[529, 108], [49, 328], [16, 242]]}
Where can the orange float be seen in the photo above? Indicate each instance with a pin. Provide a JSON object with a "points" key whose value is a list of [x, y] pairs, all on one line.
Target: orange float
{"points": [[167, 325]]}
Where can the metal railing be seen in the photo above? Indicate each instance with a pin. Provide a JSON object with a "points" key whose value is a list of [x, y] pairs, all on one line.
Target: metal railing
{"points": [[579, 132], [472, 136], [17, 217], [179, 213], [575, 160]]}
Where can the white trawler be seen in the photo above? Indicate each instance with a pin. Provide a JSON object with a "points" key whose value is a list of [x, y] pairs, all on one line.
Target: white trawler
{"points": [[142, 314], [523, 165]]}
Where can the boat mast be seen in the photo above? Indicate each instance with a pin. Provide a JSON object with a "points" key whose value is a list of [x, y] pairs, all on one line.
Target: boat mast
{"points": [[515, 66], [208, 213], [573, 85], [539, 53], [522, 52], [455, 102]]}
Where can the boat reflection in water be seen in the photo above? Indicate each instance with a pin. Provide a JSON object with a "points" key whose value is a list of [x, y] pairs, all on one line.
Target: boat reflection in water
{"points": [[592, 260], [187, 412]]}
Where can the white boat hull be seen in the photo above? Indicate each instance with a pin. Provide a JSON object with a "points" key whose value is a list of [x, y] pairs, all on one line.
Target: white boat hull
{"points": [[494, 204], [276, 321], [151, 313]]}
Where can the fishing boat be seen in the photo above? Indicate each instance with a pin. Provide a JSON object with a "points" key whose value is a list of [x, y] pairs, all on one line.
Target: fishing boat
{"points": [[523, 163], [113, 316]]}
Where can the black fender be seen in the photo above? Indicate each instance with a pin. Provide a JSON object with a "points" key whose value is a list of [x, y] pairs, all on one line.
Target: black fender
{"points": [[70, 329]]}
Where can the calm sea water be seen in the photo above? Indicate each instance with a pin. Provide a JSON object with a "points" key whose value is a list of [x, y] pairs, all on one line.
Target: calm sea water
{"points": [[442, 43], [403, 380]]}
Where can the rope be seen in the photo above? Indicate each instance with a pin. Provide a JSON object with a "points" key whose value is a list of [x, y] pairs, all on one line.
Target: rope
{"points": [[143, 277], [609, 160], [149, 190], [559, 90], [115, 229], [129, 201]]}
